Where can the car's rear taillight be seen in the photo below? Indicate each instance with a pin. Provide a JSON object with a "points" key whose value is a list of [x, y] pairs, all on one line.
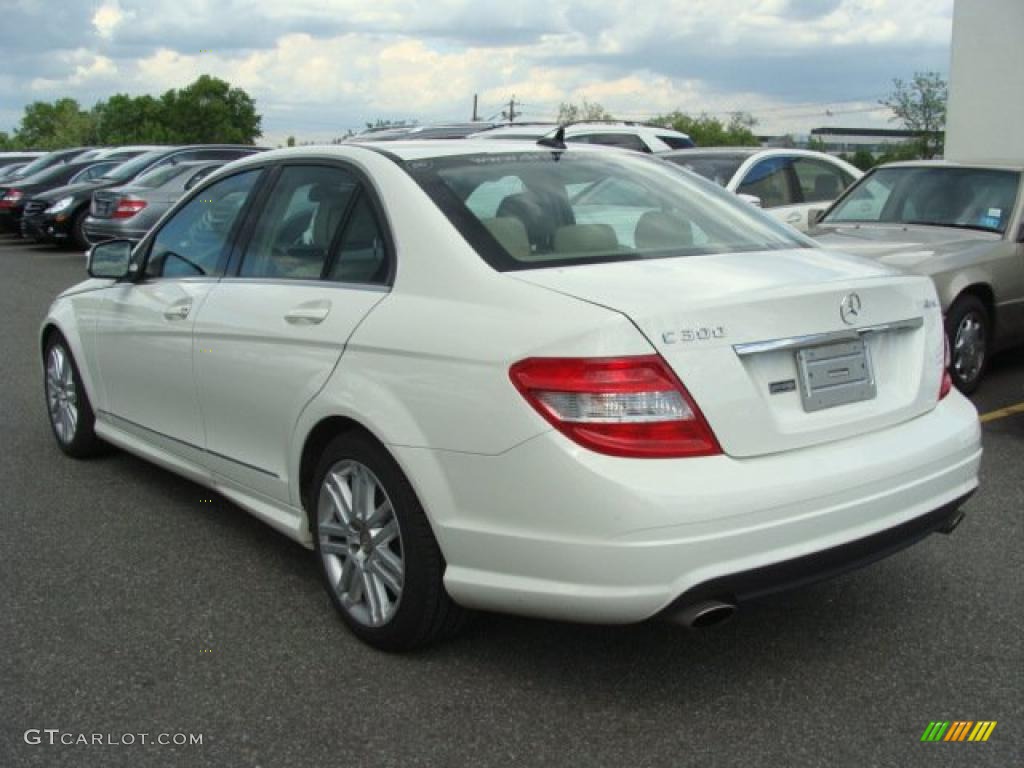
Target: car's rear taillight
{"points": [[127, 207], [11, 198], [622, 406], [947, 379]]}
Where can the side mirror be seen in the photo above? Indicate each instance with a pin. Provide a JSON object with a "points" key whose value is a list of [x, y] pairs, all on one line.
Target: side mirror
{"points": [[815, 215], [752, 199], [110, 260]]}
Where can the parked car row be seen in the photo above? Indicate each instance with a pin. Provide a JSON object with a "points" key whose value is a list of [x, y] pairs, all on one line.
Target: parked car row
{"points": [[52, 198]]}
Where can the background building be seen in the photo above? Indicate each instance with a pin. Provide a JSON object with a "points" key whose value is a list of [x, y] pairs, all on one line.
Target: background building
{"points": [[986, 82]]}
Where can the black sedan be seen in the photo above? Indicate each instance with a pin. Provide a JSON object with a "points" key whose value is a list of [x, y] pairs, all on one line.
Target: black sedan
{"points": [[14, 198]]}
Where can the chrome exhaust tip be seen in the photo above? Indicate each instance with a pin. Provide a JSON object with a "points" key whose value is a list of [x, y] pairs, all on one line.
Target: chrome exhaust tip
{"points": [[706, 613]]}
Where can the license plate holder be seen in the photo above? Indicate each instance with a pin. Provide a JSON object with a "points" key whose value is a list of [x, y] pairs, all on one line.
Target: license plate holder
{"points": [[835, 374]]}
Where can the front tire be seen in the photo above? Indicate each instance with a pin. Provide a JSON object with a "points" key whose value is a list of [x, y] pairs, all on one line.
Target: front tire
{"points": [[67, 403], [969, 329], [78, 236], [378, 556]]}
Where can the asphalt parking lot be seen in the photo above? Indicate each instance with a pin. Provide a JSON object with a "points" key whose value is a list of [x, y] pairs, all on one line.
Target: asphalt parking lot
{"points": [[133, 601]]}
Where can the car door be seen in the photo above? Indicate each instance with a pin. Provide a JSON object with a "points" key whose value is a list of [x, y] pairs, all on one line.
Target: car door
{"points": [[270, 334], [771, 180], [144, 335]]}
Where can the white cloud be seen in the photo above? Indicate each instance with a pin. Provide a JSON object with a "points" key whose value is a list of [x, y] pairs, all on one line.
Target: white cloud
{"points": [[321, 66], [109, 17]]}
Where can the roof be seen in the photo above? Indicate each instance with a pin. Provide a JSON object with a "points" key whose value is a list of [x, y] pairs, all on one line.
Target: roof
{"points": [[413, 149], [994, 165]]}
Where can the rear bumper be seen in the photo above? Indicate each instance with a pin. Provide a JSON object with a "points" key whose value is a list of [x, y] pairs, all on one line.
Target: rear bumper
{"points": [[749, 585], [549, 529], [100, 230]]}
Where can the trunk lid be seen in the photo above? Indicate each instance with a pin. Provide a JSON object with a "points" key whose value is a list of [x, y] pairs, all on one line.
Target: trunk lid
{"points": [[736, 328]]}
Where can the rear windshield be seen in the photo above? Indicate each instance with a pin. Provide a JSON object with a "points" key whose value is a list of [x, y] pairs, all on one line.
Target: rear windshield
{"points": [[561, 208], [965, 198], [130, 169], [719, 168], [160, 176], [677, 142]]}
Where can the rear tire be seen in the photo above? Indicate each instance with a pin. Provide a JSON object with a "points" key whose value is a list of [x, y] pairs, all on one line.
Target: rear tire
{"points": [[969, 328], [378, 557], [67, 403]]}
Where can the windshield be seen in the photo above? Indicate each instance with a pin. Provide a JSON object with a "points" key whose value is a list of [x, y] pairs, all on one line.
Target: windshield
{"points": [[544, 209], [719, 168], [131, 169], [969, 198]]}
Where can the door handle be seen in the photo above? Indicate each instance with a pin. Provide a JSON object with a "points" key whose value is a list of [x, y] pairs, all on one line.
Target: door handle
{"points": [[310, 313], [794, 218], [178, 311]]}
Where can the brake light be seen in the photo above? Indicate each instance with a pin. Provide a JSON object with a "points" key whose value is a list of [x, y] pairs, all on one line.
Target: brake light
{"points": [[947, 380], [622, 406], [127, 207], [10, 199]]}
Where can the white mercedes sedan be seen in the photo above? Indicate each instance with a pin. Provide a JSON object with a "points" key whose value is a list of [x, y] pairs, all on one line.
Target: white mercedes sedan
{"points": [[465, 389]]}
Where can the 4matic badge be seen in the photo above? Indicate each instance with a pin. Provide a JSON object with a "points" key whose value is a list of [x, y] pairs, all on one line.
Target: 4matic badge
{"points": [[686, 335]]}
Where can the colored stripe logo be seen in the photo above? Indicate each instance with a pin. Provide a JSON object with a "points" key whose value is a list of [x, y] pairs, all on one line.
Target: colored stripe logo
{"points": [[958, 730]]}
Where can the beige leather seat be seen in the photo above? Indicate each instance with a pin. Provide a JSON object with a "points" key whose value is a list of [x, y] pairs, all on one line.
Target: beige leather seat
{"points": [[511, 235], [658, 231], [585, 238]]}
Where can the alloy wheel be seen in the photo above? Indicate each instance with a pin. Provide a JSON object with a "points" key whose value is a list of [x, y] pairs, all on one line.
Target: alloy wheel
{"points": [[61, 394], [360, 543], [969, 347]]}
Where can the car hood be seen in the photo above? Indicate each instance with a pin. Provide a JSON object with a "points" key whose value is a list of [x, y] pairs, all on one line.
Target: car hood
{"points": [[925, 250]]}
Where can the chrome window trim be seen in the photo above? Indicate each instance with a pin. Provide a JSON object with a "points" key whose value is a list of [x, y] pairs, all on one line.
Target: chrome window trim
{"points": [[796, 342], [373, 287]]}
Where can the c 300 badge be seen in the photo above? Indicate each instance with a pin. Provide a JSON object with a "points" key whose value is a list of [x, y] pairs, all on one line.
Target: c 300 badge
{"points": [[687, 335]]}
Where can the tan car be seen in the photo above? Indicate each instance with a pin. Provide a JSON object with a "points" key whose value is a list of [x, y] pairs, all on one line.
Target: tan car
{"points": [[962, 225]]}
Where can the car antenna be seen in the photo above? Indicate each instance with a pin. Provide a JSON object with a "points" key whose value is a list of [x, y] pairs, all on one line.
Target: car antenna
{"points": [[557, 141]]}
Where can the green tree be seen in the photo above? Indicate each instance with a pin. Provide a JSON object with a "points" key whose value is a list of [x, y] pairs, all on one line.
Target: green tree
{"points": [[124, 119], [863, 159], [588, 110], [210, 111], [290, 142], [920, 106], [709, 131], [52, 126]]}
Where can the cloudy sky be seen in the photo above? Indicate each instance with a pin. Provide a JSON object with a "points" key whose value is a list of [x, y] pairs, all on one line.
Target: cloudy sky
{"points": [[318, 67]]}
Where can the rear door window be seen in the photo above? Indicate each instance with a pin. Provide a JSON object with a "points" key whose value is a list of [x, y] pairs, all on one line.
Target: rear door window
{"points": [[820, 181], [305, 212]]}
